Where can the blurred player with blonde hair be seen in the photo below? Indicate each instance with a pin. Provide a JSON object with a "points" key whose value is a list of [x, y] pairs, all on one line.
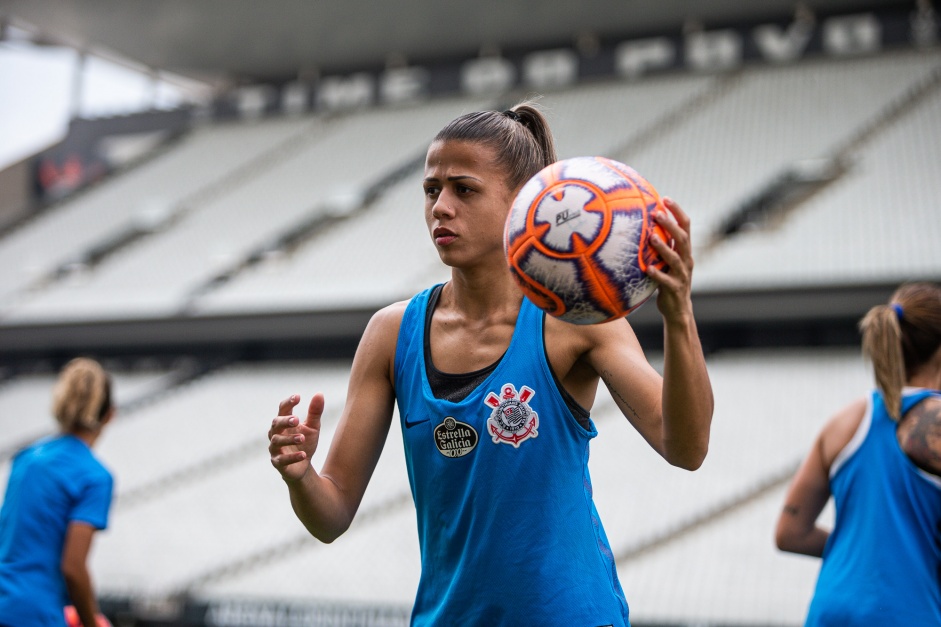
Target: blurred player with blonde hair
{"points": [[58, 495]]}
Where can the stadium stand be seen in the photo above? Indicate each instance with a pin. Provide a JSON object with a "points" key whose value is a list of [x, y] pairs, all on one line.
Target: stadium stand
{"points": [[150, 194], [317, 174], [331, 271], [780, 116], [843, 233], [218, 525], [294, 214], [649, 507], [213, 264]]}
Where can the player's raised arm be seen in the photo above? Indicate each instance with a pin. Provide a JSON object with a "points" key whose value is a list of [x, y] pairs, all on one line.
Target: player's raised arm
{"points": [[589, 253], [326, 501], [688, 400], [673, 412]]}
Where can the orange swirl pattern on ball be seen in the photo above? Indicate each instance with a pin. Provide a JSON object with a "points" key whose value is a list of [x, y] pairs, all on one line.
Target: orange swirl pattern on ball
{"points": [[592, 205]]}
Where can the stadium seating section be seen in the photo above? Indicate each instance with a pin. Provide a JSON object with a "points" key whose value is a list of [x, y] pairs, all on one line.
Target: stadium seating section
{"points": [[199, 510]]}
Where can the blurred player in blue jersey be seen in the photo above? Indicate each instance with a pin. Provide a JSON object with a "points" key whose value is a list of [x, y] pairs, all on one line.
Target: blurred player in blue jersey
{"points": [[880, 458], [58, 495]]}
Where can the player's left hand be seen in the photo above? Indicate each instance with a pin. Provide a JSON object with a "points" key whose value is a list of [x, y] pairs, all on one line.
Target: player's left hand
{"points": [[673, 296]]}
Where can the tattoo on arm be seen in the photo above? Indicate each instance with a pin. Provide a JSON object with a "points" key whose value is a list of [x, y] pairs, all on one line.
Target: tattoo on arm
{"points": [[921, 436], [792, 510], [607, 377]]}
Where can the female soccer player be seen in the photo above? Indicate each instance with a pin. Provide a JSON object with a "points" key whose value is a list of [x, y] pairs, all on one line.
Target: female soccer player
{"points": [[57, 496], [494, 402], [880, 458]]}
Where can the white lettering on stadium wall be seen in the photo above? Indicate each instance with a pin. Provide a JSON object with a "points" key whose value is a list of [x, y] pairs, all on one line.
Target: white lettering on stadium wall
{"points": [[703, 51]]}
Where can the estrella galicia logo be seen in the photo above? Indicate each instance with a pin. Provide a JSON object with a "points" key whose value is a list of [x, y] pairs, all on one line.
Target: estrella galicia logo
{"points": [[512, 419], [454, 438]]}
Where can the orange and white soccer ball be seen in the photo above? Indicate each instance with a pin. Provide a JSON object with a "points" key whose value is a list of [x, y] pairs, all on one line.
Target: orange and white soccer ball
{"points": [[577, 239]]}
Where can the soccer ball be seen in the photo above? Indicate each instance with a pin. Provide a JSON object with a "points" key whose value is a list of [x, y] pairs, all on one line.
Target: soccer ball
{"points": [[576, 239]]}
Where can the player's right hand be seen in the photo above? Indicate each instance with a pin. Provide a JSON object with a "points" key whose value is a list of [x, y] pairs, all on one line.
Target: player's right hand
{"points": [[292, 442]]}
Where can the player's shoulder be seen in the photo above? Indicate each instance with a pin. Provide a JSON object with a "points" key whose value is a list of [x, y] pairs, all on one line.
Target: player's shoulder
{"points": [[573, 336], [927, 411], [590, 335], [379, 339], [841, 427], [916, 434], [391, 313], [386, 322], [850, 415], [931, 404], [595, 347]]}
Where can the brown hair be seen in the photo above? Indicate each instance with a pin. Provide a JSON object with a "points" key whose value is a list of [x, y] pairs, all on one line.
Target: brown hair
{"points": [[82, 396], [520, 136], [900, 336]]}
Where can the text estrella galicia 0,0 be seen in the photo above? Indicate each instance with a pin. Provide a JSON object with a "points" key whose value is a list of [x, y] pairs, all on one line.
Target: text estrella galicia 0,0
{"points": [[454, 438]]}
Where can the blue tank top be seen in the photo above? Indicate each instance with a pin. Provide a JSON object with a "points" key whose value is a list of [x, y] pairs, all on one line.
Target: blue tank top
{"points": [[508, 530], [880, 564]]}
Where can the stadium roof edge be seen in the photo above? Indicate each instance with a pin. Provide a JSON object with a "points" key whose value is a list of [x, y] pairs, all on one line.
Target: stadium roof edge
{"points": [[243, 41]]}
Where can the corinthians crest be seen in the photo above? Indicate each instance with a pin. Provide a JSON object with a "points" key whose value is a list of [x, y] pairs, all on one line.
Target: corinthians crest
{"points": [[512, 419]]}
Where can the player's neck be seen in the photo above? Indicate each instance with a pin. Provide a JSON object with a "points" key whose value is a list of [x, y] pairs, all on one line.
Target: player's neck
{"points": [[86, 436], [481, 295], [928, 375], [927, 378]]}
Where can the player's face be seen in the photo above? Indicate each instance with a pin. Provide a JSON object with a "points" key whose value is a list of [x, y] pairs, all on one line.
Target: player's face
{"points": [[466, 201]]}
